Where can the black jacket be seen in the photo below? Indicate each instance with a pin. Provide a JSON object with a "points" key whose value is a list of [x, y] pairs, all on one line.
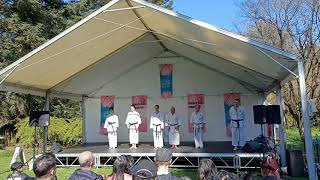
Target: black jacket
{"points": [[80, 174], [18, 175], [169, 176]]}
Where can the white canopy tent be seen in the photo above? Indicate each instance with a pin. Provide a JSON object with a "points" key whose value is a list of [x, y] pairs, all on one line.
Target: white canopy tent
{"points": [[88, 59]]}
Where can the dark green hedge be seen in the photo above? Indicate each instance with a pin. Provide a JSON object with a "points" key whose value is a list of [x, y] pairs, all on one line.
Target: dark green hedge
{"points": [[68, 134]]}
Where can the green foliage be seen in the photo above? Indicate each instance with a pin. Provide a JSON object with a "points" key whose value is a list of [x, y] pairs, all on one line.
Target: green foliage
{"points": [[24, 26], [68, 134], [165, 3], [294, 139], [29, 10]]}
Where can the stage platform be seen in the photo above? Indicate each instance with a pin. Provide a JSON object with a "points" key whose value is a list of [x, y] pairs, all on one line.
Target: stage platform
{"points": [[185, 156]]}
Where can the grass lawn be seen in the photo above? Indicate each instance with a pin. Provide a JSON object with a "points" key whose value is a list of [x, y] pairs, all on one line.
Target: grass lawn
{"points": [[294, 137]]}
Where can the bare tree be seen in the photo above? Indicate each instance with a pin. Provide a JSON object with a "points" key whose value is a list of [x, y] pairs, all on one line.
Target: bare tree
{"points": [[294, 26]]}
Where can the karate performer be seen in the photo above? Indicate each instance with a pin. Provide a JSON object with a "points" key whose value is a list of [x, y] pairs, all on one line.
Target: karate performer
{"points": [[173, 122], [198, 123], [157, 125], [111, 124], [237, 116], [133, 121]]}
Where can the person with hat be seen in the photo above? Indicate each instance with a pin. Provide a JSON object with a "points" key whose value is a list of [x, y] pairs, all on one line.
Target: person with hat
{"points": [[163, 161], [17, 172], [144, 170]]}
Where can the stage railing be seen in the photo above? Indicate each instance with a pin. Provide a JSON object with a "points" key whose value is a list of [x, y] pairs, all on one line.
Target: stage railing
{"points": [[235, 161]]}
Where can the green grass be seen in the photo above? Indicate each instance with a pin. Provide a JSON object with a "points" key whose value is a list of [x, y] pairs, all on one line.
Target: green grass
{"points": [[294, 137]]}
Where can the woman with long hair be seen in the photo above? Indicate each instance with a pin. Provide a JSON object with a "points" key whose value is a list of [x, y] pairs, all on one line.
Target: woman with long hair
{"points": [[207, 169], [119, 168]]}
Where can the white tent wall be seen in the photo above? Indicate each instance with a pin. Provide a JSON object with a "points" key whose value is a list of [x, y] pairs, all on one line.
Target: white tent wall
{"points": [[188, 78]]}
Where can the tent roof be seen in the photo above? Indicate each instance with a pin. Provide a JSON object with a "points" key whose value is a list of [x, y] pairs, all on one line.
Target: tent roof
{"points": [[126, 26]]}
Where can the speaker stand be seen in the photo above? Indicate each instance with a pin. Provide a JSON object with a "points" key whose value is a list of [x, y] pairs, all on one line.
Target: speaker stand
{"points": [[261, 129]]}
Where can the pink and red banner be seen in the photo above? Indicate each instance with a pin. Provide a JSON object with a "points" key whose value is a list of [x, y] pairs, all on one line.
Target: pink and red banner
{"points": [[228, 102], [106, 103], [193, 100], [140, 102], [166, 80]]}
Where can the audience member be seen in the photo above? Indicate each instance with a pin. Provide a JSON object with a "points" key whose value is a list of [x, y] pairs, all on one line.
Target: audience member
{"points": [[163, 161], [130, 163], [119, 167], [144, 169], [44, 167], [247, 176], [207, 169], [270, 168], [225, 175], [86, 162], [17, 172]]}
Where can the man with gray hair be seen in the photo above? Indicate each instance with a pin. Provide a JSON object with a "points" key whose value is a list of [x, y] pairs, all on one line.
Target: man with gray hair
{"points": [[85, 172]]}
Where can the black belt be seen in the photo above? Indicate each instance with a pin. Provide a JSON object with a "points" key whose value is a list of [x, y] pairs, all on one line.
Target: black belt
{"points": [[131, 124], [157, 132], [196, 130], [237, 121], [175, 125], [111, 123]]}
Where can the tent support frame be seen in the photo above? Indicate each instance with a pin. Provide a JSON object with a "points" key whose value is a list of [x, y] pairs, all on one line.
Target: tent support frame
{"points": [[45, 128], [83, 111], [175, 39], [282, 126], [97, 62], [277, 62], [145, 25], [306, 123]]}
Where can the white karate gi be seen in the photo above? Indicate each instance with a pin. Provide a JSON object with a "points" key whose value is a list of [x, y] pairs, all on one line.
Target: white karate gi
{"points": [[173, 121], [237, 115], [133, 121], [111, 124], [157, 125], [198, 121]]}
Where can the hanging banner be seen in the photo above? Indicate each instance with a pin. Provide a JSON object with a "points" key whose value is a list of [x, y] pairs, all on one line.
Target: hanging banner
{"points": [[140, 102], [106, 103], [193, 100], [228, 103], [166, 80]]}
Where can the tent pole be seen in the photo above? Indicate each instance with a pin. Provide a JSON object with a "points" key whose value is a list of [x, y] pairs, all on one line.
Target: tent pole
{"points": [[83, 111], [14, 68], [282, 127], [307, 129], [45, 128]]}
